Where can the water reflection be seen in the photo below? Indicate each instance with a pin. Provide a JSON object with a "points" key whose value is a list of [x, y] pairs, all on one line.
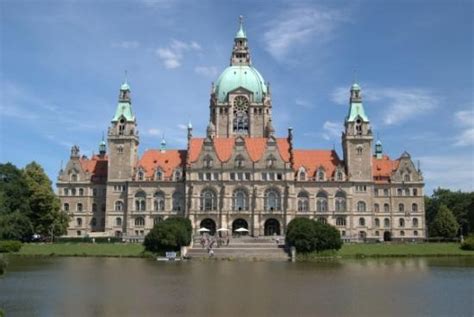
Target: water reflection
{"points": [[140, 287]]}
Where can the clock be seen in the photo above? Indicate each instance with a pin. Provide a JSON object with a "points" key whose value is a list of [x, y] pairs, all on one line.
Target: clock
{"points": [[241, 103]]}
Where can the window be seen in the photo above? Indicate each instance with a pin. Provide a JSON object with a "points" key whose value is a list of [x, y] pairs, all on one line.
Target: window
{"points": [[415, 222], [359, 150], [140, 175], [177, 201], [118, 221], [94, 207], [303, 201], [385, 192], [361, 188], [361, 207], [340, 201], [361, 221], [320, 175], [376, 207], [79, 207], [208, 162], [270, 161], [407, 178], [386, 222], [159, 175], [156, 220], [177, 175], [376, 192], [66, 192], [139, 222], [159, 201], [407, 191], [81, 191], [118, 206], [102, 207], [94, 192], [93, 222], [415, 233], [208, 200], [240, 200], [401, 207], [272, 200], [340, 221], [339, 176], [78, 232], [322, 220], [401, 222], [415, 192], [414, 207], [399, 192], [66, 207], [302, 175], [79, 222], [140, 201], [377, 233], [377, 222], [402, 233], [239, 162], [321, 202], [74, 177], [73, 192], [386, 207]]}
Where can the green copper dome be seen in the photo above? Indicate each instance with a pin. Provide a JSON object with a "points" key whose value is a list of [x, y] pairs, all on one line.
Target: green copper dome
{"points": [[244, 76], [355, 86]]}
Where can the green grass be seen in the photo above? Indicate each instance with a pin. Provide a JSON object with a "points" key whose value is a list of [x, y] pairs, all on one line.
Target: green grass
{"points": [[83, 249], [392, 250]]}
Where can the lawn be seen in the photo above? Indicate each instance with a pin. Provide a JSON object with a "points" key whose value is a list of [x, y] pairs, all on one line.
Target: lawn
{"points": [[402, 249], [83, 249]]}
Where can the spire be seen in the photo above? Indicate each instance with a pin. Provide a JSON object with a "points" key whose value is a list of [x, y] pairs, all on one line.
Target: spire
{"points": [[102, 147], [378, 150], [240, 52], [163, 144], [356, 109], [190, 130], [124, 106]]}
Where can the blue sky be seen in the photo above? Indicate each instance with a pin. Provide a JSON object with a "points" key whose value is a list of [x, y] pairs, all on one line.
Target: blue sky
{"points": [[62, 63]]}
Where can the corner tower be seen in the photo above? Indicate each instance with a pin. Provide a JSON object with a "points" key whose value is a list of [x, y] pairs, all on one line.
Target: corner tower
{"points": [[123, 139], [240, 99], [357, 139]]}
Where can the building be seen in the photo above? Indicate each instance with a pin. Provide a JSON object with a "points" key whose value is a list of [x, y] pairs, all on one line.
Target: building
{"points": [[241, 174]]}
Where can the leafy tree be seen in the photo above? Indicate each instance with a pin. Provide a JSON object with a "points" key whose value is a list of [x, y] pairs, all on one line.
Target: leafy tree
{"points": [[169, 235], [444, 224], [45, 213], [14, 192], [307, 235], [15, 226]]}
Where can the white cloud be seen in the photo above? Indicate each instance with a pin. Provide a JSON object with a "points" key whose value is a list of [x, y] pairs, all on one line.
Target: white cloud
{"points": [[299, 26], [304, 104], [153, 132], [465, 119], [331, 130], [208, 71], [127, 44], [173, 54], [401, 104], [182, 126]]}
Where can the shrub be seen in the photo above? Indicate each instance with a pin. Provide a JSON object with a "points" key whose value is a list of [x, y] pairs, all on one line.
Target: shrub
{"points": [[87, 240], [10, 246], [169, 235], [444, 224], [468, 244], [3, 266], [307, 235]]}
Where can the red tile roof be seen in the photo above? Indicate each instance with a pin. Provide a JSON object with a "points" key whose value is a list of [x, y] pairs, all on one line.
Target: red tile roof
{"points": [[167, 161], [383, 168], [311, 160], [195, 146], [96, 165]]}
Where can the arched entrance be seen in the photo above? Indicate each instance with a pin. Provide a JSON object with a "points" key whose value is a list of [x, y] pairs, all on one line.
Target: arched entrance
{"points": [[239, 223], [210, 224], [272, 227], [387, 236]]}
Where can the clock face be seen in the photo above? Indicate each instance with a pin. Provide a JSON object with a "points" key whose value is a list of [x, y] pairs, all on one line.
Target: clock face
{"points": [[241, 103]]}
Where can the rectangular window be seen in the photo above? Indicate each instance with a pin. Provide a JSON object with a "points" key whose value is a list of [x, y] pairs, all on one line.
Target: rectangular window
{"points": [[232, 176], [216, 176], [376, 192], [201, 177], [385, 192], [247, 176], [264, 176], [279, 176], [208, 176], [240, 176], [272, 176]]}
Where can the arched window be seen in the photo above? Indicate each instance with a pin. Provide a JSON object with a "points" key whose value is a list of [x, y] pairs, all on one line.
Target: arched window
{"points": [[321, 175], [177, 201], [74, 178], [118, 221], [302, 175], [159, 201], [303, 201], [271, 161], [359, 150], [402, 233], [140, 201], [239, 161], [139, 222], [272, 200], [415, 222], [415, 192], [159, 175], [79, 222], [208, 200], [66, 191], [401, 207], [376, 207], [415, 233], [339, 176], [361, 207], [401, 222], [386, 222], [386, 207], [399, 192], [81, 191], [177, 175], [322, 220], [407, 191], [340, 221], [94, 207], [66, 207], [118, 205], [361, 221], [407, 178], [340, 201], [240, 200], [414, 207], [79, 207], [140, 175], [377, 222], [208, 162], [321, 202], [73, 192], [93, 222]]}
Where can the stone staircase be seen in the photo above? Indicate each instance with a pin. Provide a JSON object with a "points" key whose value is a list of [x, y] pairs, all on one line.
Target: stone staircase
{"points": [[261, 248]]}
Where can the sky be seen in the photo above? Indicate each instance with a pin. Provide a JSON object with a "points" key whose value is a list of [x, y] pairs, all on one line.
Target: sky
{"points": [[62, 63]]}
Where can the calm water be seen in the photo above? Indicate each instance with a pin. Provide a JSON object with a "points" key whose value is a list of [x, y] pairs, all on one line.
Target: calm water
{"points": [[143, 287]]}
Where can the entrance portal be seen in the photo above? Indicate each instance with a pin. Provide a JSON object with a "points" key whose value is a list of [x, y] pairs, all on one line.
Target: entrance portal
{"points": [[239, 223], [387, 236], [210, 224], [272, 227]]}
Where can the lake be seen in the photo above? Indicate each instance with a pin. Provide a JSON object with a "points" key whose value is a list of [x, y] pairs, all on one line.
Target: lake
{"points": [[54, 286]]}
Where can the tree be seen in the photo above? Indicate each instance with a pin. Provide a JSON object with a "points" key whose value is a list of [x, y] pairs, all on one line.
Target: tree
{"points": [[45, 214], [15, 226], [14, 194], [169, 235], [307, 235], [444, 224]]}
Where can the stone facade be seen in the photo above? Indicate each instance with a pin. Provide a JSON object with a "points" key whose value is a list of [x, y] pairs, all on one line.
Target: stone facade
{"points": [[241, 175]]}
